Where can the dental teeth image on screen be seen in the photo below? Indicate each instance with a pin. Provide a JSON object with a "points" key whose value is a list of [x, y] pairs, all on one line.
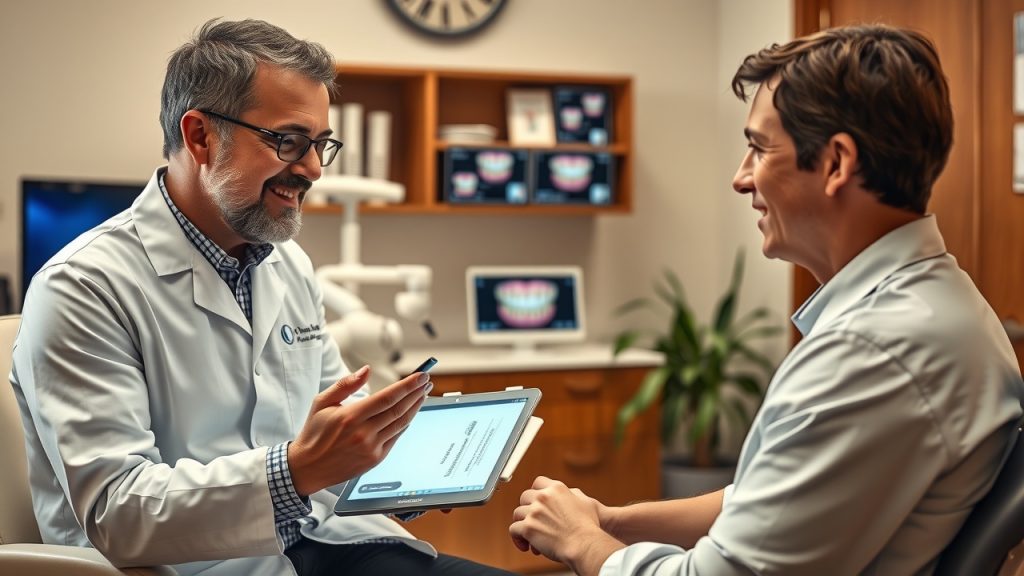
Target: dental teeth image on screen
{"points": [[570, 172], [464, 183], [494, 167], [526, 303]]}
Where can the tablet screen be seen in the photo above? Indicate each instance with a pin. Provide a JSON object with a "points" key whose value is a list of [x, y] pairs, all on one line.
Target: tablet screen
{"points": [[450, 454]]}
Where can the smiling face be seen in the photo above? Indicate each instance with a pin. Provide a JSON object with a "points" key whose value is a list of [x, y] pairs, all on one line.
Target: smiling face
{"points": [[789, 200], [256, 195]]}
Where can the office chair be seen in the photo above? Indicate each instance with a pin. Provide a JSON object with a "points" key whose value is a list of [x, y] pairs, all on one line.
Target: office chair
{"points": [[994, 529], [21, 550]]}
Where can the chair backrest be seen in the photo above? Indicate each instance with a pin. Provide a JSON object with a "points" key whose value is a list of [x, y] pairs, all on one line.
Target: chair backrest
{"points": [[17, 521], [995, 526]]}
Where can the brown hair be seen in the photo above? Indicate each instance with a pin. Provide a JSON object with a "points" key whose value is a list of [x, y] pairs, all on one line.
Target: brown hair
{"points": [[881, 85]]}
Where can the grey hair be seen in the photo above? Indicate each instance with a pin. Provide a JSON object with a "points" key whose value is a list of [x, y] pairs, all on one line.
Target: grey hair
{"points": [[215, 71]]}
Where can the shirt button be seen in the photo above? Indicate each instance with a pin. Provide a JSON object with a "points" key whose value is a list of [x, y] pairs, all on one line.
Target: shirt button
{"points": [[257, 370]]}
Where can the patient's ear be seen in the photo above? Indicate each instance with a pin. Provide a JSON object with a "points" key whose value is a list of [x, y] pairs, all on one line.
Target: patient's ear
{"points": [[839, 162]]}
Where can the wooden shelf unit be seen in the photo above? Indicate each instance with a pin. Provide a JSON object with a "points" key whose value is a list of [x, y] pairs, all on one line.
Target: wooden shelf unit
{"points": [[421, 100]]}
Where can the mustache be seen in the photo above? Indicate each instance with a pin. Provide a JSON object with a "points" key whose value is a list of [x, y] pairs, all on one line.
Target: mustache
{"points": [[291, 181]]}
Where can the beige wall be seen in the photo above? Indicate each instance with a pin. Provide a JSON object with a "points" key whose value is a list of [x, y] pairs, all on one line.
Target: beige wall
{"points": [[81, 92]]}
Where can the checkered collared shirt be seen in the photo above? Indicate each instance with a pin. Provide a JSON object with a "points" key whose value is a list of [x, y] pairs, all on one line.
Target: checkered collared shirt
{"points": [[288, 506]]}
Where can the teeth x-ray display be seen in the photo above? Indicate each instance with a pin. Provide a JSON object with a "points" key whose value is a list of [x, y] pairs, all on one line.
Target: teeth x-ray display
{"points": [[486, 176], [583, 114], [572, 178], [525, 305]]}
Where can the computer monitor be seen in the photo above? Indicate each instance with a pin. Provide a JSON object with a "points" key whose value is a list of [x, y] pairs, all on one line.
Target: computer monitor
{"points": [[525, 306], [54, 213]]}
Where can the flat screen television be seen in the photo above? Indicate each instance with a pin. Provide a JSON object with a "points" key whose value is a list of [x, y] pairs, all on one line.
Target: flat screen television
{"points": [[525, 306], [54, 213]]}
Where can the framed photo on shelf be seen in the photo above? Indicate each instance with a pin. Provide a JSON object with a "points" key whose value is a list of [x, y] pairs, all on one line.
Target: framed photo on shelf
{"points": [[584, 115], [531, 121]]}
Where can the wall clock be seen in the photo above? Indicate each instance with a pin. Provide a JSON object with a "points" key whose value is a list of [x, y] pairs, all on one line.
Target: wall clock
{"points": [[447, 18]]}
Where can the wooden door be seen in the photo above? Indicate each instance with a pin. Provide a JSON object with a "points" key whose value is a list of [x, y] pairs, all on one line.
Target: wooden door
{"points": [[1001, 226], [976, 209]]}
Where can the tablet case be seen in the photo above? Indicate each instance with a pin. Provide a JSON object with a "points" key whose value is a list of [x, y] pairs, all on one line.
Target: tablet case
{"points": [[529, 432]]}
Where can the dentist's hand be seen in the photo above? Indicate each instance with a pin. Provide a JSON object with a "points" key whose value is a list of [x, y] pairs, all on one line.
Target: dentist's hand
{"points": [[339, 442]]}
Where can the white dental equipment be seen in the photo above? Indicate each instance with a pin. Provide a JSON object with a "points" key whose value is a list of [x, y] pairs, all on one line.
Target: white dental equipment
{"points": [[365, 337]]}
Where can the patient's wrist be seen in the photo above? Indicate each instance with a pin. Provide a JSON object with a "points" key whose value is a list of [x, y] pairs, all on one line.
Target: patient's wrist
{"points": [[610, 518]]}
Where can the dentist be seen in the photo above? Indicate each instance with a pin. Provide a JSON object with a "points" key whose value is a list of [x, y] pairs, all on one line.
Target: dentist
{"points": [[182, 404]]}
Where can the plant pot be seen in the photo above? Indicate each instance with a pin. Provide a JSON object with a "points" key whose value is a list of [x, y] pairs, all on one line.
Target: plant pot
{"points": [[679, 479]]}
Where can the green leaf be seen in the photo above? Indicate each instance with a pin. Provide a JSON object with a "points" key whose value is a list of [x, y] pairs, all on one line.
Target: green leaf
{"points": [[676, 285], [624, 341], [756, 333], [666, 296], [705, 416], [737, 413], [724, 312], [672, 413], [750, 318], [755, 357], [727, 306], [690, 374], [634, 304], [649, 391], [741, 409], [748, 383]]}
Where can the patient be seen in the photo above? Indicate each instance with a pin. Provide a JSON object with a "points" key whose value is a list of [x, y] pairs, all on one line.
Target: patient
{"points": [[890, 419]]}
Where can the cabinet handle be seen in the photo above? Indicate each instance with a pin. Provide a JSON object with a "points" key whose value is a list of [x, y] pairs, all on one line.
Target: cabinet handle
{"points": [[1014, 330], [584, 461], [583, 387]]}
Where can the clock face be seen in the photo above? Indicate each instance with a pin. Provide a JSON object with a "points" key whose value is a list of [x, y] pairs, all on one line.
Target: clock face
{"points": [[447, 17]]}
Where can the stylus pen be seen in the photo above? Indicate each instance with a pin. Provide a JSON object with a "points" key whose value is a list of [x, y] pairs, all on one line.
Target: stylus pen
{"points": [[425, 366]]}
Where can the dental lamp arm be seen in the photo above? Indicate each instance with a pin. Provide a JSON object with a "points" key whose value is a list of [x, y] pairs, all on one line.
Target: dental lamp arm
{"points": [[412, 304]]}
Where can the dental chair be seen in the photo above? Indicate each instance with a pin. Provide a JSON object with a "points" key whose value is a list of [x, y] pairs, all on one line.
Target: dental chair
{"points": [[991, 541]]}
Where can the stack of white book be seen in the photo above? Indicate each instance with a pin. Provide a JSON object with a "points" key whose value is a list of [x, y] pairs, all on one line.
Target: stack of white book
{"points": [[467, 133]]}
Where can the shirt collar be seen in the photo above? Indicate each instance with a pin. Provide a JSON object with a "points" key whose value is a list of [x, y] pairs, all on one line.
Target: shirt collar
{"points": [[254, 253], [911, 243]]}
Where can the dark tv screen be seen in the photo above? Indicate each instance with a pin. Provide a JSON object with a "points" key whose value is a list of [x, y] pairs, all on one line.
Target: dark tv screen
{"points": [[55, 213]]}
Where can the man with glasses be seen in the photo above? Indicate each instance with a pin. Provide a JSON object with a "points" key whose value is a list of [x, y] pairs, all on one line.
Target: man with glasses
{"points": [[182, 404]]}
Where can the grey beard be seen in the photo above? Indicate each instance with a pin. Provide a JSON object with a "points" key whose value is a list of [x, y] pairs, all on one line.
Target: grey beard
{"points": [[257, 226], [252, 221]]}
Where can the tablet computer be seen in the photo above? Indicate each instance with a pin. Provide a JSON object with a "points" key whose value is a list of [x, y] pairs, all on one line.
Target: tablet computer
{"points": [[451, 455]]}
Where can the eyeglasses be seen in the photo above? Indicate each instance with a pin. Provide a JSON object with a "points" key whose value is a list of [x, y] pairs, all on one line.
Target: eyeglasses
{"points": [[290, 147]]}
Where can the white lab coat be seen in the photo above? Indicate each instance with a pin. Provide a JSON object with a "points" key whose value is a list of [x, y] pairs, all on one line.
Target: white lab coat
{"points": [[149, 402]]}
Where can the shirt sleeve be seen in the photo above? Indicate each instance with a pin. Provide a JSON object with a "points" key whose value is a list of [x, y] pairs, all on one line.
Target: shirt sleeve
{"points": [[842, 450], [288, 505]]}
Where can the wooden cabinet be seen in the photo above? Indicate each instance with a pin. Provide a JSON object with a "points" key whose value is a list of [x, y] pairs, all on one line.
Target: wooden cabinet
{"points": [[575, 446], [421, 100]]}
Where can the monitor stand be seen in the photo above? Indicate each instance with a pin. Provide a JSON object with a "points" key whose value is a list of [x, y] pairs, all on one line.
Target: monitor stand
{"points": [[524, 348]]}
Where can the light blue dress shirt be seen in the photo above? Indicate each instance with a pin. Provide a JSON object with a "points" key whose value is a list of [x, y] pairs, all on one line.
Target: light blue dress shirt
{"points": [[879, 432]]}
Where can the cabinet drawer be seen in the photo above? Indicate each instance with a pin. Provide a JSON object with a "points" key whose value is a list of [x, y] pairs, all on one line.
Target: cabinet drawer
{"points": [[613, 475]]}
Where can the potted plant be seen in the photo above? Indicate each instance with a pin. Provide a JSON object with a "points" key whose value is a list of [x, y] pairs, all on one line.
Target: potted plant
{"points": [[699, 365]]}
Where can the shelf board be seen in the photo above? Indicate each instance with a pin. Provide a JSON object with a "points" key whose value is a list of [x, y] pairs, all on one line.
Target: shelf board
{"points": [[472, 209], [617, 149]]}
